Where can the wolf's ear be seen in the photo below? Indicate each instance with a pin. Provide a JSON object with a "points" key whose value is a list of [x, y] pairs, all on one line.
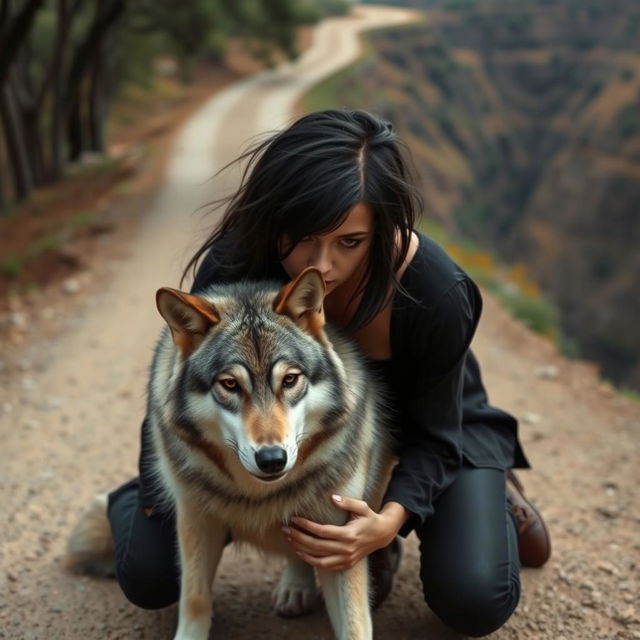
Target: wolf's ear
{"points": [[302, 299], [189, 317]]}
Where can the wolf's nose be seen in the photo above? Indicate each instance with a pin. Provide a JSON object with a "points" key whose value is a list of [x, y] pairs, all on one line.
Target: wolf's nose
{"points": [[271, 459]]}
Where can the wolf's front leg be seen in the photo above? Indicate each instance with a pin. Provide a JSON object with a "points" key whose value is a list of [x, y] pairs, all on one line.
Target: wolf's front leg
{"points": [[346, 595], [201, 541], [295, 594]]}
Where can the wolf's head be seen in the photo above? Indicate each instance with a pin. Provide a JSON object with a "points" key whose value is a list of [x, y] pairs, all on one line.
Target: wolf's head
{"points": [[254, 374]]}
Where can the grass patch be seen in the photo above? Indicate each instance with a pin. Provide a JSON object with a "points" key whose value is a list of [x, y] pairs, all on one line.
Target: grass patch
{"points": [[632, 394], [13, 266], [349, 87], [512, 285]]}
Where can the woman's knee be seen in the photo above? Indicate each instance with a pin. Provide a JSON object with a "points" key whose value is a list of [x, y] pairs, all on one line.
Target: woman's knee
{"points": [[146, 593], [145, 551], [476, 604], [148, 582]]}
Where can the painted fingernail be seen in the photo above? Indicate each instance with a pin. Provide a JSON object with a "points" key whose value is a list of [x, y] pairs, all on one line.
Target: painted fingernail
{"points": [[336, 497], [286, 530]]}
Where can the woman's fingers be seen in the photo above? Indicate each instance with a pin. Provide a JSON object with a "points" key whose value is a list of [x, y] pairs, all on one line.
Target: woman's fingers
{"points": [[316, 546], [353, 505], [330, 563], [327, 531]]}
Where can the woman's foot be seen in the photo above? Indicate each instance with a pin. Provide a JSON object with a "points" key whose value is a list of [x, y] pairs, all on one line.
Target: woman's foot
{"points": [[534, 542]]}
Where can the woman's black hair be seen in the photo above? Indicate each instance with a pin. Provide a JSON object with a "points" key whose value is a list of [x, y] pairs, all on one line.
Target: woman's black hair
{"points": [[303, 181]]}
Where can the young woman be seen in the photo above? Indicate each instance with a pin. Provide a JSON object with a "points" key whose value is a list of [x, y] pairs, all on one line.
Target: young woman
{"points": [[333, 190]]}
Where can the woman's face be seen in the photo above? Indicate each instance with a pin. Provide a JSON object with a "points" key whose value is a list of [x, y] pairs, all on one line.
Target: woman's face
{"points": [[340, 255]]}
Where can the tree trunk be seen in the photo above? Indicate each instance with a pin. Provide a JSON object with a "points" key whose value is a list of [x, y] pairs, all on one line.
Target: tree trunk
{"points": [[53, 82], [16, 148], [74, 130], [107, 13], [14, 29], [96, 103]]}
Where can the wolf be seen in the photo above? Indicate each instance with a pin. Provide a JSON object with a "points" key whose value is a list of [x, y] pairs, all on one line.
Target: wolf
{"points": [[259, 411]]}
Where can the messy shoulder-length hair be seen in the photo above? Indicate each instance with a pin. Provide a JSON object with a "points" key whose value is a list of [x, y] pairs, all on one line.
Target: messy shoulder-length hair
{"points": [[303, 181]]}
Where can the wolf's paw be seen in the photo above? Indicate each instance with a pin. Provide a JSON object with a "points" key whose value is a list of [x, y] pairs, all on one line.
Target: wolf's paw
{"points": [[90, 546], [296, 593]]}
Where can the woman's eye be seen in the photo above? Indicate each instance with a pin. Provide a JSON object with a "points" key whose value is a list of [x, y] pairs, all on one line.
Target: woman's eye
{"points": [[289, 380], [229, 384], [351, 243]]}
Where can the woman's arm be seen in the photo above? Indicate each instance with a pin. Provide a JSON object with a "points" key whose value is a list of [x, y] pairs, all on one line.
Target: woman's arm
{"points": [[430, 447]]}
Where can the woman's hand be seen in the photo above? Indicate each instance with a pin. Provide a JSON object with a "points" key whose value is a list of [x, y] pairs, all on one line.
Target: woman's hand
{"points": [[340, 547]]}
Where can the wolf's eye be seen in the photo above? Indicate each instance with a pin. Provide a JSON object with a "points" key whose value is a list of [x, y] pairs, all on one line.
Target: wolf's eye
{"points": [[230, 384], [290, 379]]}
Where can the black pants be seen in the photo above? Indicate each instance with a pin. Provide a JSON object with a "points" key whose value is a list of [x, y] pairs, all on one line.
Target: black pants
{"points": [[469, 555]]}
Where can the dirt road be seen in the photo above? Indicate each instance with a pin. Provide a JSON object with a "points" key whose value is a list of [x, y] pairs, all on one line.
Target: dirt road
{"points": [[70, 411]]}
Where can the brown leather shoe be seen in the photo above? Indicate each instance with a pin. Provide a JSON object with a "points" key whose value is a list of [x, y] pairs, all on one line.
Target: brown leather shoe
{"points": [[383, 564], [534, 542]]}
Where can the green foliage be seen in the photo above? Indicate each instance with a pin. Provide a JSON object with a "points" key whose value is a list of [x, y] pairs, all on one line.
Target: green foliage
{"points": [[519, 24], [537, 313], [11, 267], [459, 5], [632, 30], [333, 7], [628, 121], [594, 89], [584, 41], [627, 74], [632, 394], [473, 218]]}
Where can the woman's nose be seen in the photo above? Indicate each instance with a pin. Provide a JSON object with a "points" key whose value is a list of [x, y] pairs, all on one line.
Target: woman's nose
{"points": [[321, 260]]}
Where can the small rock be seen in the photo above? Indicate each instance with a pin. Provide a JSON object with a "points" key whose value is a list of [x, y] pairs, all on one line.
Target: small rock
{"points": [[547, 372], [531, 418], [49, 404], [71, 286], [609, 512], [564, 577], [627, 616], [18, 320], [607, 567]]}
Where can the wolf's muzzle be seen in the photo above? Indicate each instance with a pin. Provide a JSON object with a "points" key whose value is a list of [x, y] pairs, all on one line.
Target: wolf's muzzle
{"points": [[271, 460]]}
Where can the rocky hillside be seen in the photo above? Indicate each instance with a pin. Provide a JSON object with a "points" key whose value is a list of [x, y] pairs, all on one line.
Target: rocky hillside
{"points": [[524, 118]]}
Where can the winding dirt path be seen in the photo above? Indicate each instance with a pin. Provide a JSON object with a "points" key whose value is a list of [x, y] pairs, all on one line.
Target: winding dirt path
{"points": [[70, 412]]}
